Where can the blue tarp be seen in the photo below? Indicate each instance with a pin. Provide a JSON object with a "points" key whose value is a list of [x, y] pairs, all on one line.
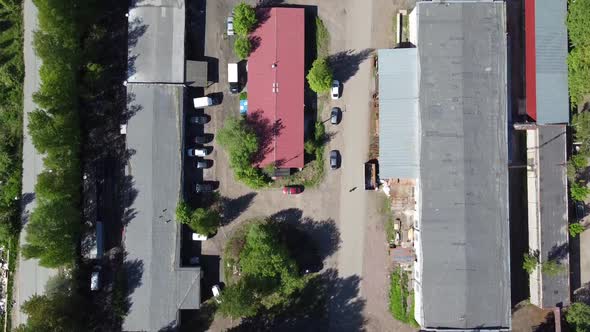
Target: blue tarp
{"points": [[243, 106]]}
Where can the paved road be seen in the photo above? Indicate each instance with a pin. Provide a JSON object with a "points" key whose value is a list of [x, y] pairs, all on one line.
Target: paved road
{"points": [[30, 277]]}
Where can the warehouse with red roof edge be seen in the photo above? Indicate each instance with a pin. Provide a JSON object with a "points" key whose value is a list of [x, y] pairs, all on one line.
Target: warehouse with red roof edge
{"points": [[276, 87]]}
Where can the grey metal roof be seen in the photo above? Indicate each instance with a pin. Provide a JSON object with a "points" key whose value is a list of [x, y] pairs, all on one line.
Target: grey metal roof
{"points": [[156, 41], [463, 200], [152, 237], [553, 214], [398, 113], [196, 73], [551, 50]]}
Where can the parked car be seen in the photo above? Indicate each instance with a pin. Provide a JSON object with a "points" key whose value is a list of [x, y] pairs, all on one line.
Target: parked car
{"points": [[203, 188], [334, 159], [230, 26], [95, 278], [199, 152], [232, 77], [199, 119], [335, 115], [292, 190], [202, 163], [335, 92], [199, 237], [201, 140], [216, 292], [202, 102], [580, 211]]}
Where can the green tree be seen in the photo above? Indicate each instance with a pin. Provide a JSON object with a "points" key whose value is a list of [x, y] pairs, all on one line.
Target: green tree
{"points": [[52, 234], [244, 19], [576, 229], [577, 22], [238, 300], [202, 221], [320, 76], [58, 310], [578, 317], [579, 161], [530, 262], [241, 144], [242, 47], [552, 267], [205, 221], [579, 191]]}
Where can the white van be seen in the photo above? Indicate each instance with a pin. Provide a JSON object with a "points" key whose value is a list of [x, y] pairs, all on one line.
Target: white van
{"points": [[232, 77], [203, 102]]}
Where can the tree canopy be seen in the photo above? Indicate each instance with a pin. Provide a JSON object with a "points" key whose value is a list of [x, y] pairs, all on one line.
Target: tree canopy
{"points": [[320, 76], [244, 19], [242, 47], [578, 317], [579, 56], [268, 274], [241, 144], [202, 221]]}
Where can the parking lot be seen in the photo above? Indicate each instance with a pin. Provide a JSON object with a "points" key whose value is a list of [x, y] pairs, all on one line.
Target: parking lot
{"points": [[360, 293]]}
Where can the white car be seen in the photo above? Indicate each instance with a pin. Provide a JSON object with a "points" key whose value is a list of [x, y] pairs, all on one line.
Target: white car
{"points": [[335, 91], [230, 26], [216, 292], [197, 152], [199, 237]]}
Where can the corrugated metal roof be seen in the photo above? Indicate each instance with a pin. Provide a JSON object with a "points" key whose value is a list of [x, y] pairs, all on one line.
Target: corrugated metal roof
{"points": [[553, 212], [550, 87], [160, 287], [156, 41], [398, 113], [464, 229], [275, 86]]}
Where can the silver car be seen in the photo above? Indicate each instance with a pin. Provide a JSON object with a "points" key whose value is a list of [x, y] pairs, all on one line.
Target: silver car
{"points": [[230, 26]]}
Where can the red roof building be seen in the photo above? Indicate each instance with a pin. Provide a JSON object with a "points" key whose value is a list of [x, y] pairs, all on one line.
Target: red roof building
{"points": [[275, 86]]}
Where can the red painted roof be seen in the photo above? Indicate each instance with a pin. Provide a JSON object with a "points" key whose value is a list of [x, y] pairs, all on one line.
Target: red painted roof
{"points": [[531, 59], [275, 95]]}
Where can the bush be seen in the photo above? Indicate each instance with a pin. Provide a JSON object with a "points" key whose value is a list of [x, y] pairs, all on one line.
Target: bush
{"points": [[530, 262], [579, 57], [579, 161], [576, 229], [242, 47], [579, 191], [244, 19], [581, 124], [241, 144], [322, 38], [552, 268], [202, 221], [268, 273], [398, 296], [320, 76], [578, 317]]}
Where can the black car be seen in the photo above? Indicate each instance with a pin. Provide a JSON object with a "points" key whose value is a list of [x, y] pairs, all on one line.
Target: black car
{"points": [[334, 159], [203, 163], [335, 115], [199, 119], [201, 139], [203, 188]]}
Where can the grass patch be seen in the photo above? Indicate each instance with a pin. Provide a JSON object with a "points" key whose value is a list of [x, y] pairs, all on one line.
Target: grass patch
{"points": [[400, 298], [322, 38], [386, 211]]}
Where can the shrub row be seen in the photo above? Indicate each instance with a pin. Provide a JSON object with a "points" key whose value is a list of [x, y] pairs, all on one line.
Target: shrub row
{"points": [[54, 226], [11, 89]]}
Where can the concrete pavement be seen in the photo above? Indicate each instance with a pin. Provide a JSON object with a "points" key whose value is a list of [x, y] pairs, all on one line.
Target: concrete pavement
{"points": [[30, 277]]}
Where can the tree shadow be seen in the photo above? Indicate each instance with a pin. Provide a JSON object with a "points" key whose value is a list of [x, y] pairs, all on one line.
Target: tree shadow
{"points": [[136, 29], [548, 325], [345, 64], [582, 294], [324, 300], [266, 131], [310, 241], [234, 207], [558, 252], [198, 320]]}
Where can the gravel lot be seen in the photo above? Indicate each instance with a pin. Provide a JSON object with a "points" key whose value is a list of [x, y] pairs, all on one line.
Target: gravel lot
{"points": [[356, 27]]}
